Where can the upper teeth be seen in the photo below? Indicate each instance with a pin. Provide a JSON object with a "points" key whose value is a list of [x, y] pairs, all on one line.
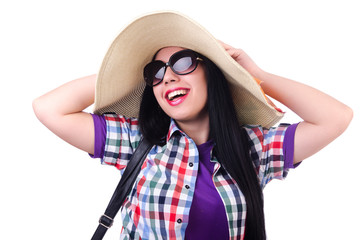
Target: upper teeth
{"points": [[171, 95]]}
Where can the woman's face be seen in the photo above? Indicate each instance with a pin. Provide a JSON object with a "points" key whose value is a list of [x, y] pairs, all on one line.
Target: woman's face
{"points": [[190, 90]]}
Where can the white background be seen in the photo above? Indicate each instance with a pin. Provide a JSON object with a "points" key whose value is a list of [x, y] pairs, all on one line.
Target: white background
{"points": [[50, 190]]}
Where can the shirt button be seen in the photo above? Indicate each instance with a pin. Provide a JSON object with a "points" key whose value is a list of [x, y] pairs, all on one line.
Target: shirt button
{"points": [[179, 220], [187, 186], [191, 164]]}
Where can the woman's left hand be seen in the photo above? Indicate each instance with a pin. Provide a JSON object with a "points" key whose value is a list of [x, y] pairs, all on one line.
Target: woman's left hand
{"points": [[242, 58], [324, 118]]}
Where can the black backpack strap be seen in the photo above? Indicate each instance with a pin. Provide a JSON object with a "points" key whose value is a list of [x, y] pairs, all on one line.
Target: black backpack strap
{"points": [[123, 188]]}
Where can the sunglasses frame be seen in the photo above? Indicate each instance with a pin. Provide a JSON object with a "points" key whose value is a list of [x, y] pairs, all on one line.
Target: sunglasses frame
{"points": [[167, 64]]}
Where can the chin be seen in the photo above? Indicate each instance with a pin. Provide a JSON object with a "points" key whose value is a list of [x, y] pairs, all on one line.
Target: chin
{"points": [[184, 118], [187, 113]]}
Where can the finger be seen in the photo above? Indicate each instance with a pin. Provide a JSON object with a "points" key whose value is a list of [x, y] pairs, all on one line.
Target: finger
{"points": [[226, 46], [233, 52]]}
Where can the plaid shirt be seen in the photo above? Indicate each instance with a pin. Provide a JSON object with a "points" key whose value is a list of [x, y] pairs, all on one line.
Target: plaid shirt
{"points": [[159, 203]]}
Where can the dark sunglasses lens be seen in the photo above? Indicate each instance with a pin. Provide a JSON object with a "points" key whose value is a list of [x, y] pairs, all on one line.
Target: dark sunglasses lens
{"points": [[153, 72], [183, 62]]}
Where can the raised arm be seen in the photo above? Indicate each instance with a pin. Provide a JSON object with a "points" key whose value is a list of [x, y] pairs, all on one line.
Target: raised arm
{"points": [[324, 117], [61, 111]]}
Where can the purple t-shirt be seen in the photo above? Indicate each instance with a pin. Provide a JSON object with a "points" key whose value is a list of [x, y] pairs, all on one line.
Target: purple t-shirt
{"points": [[207, 219], [203, 223]]}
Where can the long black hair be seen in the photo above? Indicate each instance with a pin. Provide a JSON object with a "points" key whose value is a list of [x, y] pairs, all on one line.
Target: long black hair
{"points": [[231, 148]]}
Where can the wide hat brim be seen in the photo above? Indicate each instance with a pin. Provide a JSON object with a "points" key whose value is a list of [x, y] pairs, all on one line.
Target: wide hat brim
{"points": [[120, 81]]}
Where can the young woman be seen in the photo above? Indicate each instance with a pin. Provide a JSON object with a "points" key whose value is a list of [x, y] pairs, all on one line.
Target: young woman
{"points": [[204, 176]]}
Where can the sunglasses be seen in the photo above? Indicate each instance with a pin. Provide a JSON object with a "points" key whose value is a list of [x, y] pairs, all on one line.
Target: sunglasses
{"points": [[181, 63]]}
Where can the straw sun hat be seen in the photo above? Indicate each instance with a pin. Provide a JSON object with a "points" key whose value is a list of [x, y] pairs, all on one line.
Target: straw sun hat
{"points": [[120, 81]]}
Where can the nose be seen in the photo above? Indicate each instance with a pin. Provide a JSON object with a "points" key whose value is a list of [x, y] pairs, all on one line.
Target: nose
{"points": [[170, 76]]}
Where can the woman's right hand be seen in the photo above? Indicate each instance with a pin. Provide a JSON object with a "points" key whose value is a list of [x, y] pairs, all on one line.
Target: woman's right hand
{"points": [[61, 111]]}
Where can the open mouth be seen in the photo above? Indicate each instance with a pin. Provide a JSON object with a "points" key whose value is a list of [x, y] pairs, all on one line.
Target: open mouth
{"points": [[173, 96], [176, 96]]}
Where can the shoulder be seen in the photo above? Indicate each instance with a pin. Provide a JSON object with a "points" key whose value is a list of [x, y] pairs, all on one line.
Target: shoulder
{"points": [[113, 117], [257, 132], [262, 140], [121, 129], [115, 122]]}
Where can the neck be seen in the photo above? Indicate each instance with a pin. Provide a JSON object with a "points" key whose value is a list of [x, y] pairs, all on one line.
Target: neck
{"points": [[197, 130]]}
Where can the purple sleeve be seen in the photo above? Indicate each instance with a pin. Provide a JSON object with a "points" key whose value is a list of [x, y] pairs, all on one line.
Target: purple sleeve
{"points": [[99, 135], [288, 147]]}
